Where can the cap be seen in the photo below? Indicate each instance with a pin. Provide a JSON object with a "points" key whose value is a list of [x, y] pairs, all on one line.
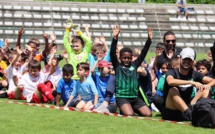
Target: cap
{"points": [[187, 53], [104, 63]]}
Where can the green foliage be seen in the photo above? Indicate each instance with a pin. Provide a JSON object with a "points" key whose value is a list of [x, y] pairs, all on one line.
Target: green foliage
{"points": [[188, 1]]}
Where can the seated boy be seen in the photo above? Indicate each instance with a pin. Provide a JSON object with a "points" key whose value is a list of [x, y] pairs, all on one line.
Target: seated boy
{"points": [[66, 86]]}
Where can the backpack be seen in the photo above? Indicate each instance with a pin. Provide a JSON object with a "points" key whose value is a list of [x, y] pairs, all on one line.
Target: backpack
{"points": [[203, 114]]}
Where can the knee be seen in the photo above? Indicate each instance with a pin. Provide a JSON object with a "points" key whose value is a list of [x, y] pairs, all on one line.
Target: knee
{"points": [[40, 86], [173, 91], [128, 113]]}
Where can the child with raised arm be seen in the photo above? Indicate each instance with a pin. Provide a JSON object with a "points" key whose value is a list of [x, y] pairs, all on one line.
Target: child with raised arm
{"points": [[126, 77], [14, 72], [101, 82], [79, 51], [65, 86], [36, 88], [85, 88]]}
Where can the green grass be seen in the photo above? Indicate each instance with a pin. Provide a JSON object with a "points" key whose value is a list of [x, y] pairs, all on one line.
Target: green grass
{"points": [[21, 119]]}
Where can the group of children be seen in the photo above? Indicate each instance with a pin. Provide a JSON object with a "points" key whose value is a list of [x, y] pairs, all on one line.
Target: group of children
{"points": [[94, 76]]}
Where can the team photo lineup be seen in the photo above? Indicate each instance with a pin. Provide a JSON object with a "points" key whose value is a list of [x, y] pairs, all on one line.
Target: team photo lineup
{"points": [[111, 78]]}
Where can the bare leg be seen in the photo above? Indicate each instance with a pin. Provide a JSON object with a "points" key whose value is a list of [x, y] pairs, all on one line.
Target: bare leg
{"points": [[203, 94], [18, 93], [145, 111], [174, 100], [178, 13], [127, 110], [38, 94], [80, 105], [87, 106]]}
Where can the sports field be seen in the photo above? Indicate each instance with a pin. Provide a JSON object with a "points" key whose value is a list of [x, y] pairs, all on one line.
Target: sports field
{"points": [[16, 118], [21, 119]]}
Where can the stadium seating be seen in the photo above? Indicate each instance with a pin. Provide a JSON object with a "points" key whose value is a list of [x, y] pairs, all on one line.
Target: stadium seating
{"points": [[134, 19]]}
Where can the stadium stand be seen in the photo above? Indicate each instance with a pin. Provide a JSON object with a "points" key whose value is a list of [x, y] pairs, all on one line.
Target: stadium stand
{"points": [[38, 17]]}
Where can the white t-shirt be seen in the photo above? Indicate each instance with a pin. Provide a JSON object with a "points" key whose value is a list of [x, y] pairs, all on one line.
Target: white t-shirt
{"points": [[11, 71], [55, 77], [30, 84]]}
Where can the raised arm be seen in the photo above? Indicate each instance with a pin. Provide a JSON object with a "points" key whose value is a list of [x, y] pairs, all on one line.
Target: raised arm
{"points": [[113, 56], [87, 31], [20, 33], [102, 39], [144, 51], [46, 38]]}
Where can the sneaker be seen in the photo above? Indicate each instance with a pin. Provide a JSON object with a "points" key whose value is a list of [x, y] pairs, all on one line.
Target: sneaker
{"points": [[69, 23], [102, 108], [187, 114]]}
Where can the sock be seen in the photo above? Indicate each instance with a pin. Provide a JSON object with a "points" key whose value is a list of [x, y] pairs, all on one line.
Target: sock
{"points": [[46, 91], [188, 114]]}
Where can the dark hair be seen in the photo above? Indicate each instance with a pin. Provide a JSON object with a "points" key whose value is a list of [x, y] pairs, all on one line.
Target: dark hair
{"points": [[84, 65], [168, 33], [166, 62], [174, 61], [35, 41], [204, 63], [160, 45], [125, 49], [68, 68], [24, 57], [78, 39], [34, 64]]}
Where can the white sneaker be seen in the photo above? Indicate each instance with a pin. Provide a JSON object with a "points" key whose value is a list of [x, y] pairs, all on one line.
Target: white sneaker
{"points": [[102, 108]]}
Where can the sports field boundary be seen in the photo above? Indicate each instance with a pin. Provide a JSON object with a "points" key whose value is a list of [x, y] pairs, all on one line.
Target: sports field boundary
{"points": [[95, 112]]}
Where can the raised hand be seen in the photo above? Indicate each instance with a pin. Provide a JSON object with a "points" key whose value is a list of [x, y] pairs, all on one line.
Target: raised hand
{"points": [[86, 27], [102, 39], [28, 48], [150, 33], [45, 36], [65, 55], [53, 37], [6, 44], [96, 40], [116, 31], [21, 31], [19, 50]]}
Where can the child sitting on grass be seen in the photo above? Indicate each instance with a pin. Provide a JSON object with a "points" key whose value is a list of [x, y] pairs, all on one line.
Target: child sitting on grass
{"points": [[85, 88], [34, 84], [15, 71], [126, 77], [79, 51], [101, 82], [65, 86]]}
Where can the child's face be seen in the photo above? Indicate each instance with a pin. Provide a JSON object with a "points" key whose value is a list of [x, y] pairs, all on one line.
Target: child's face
{"points": [[18, 63], [164, 68], [67, 76], [54, 62], [126, 58], [77, 47], [34, 48], [202, 69], [34, 72], [99, 54], [81, 72]]}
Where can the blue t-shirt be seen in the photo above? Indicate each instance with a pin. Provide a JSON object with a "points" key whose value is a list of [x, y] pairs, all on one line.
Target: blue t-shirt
{"points": [[86, 90], [65, 89], [101, 85]]}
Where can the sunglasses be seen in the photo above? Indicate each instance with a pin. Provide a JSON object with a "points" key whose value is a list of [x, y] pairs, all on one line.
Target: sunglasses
{"points": [[168, 41]]}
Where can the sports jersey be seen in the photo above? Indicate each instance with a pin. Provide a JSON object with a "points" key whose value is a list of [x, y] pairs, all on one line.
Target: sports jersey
{"points": [[65, 89], [77, 58]]}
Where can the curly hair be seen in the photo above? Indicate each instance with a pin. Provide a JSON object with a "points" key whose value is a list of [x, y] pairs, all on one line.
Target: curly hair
{"points": [[204, 63]]}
